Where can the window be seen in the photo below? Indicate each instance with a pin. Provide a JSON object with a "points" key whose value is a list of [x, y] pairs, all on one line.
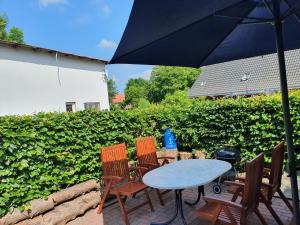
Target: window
{"points": [[92, 105], [71, 106]]}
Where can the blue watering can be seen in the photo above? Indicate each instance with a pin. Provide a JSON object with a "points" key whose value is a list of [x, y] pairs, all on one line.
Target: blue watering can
{"points": [[170, 139]]}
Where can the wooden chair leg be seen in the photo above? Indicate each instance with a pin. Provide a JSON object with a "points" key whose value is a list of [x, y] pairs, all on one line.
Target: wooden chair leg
{"points": [[149, 200], [260, 217], [270, 208], [123, 210], [286, 201], [159, 195], [106, 193]]}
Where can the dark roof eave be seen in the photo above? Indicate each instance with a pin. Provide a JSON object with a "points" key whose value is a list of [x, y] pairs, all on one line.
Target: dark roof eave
{"points": [[35, 48]]}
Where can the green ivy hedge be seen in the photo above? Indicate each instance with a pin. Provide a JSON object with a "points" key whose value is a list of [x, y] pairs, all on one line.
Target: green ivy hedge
{"points": [[44, 153]]}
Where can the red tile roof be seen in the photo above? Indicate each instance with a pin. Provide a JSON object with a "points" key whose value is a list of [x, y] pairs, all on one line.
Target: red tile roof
{"points": [[118, 98]]}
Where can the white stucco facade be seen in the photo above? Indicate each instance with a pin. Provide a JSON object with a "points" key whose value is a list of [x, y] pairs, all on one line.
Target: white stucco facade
{"points": [[33, 81]]}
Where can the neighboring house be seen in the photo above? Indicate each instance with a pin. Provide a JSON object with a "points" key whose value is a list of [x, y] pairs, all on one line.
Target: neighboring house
{"points": [[118, 98], [247, 76], [34, 79]]}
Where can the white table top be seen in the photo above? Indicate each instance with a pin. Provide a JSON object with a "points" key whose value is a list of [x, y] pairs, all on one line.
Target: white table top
{"points": [[186, 173]]}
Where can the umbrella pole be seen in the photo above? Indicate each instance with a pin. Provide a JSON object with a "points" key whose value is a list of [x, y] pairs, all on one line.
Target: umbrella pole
{"points": [[286, 110]]}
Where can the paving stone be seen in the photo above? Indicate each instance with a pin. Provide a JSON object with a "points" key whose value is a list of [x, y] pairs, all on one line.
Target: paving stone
{"points": [[143, 216]]}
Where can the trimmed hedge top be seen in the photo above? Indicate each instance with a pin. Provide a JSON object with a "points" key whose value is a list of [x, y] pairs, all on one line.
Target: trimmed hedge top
{"points": [[44, 153]]}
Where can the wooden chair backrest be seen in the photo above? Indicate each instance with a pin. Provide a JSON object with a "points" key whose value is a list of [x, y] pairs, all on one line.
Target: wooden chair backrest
{"points": [[254, 175], [276, 167], [146, 150], [114, 161]]}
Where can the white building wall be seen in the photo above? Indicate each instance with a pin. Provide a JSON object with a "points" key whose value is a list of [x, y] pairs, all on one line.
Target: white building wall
{"points": [[33, 81]]}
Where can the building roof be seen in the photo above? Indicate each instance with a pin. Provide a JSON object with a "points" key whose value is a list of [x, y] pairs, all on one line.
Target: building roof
{"points": [[50, 51], [247, 76], [118, 98]]}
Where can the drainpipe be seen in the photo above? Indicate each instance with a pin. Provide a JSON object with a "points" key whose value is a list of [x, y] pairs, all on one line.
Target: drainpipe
{"points": [[58, 74]]}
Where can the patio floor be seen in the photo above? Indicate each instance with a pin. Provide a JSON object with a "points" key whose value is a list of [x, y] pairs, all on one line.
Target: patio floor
{"points": [[143, 216]]}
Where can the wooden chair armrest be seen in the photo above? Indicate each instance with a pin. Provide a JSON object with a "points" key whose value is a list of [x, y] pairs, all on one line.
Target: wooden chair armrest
{"points": [[140, 171], [234, 183], [222, 202], [112, 180], [166, 157], [149, 166], [242, 179]]}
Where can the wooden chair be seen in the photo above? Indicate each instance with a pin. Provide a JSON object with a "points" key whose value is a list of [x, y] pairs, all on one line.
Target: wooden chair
{"points": [[227, 212], [146, 156], [117, 180], [273, 175]]}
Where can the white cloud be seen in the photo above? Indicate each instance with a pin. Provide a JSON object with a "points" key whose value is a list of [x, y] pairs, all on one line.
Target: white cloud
{"points": [[104, 43], [105, 9], [46, 3]]}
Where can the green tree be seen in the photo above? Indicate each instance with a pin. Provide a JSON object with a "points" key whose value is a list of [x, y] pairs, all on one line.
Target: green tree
{"points": [[135, 90], [14, 34], [112, 89], [168, 79], [3, 25], [179, 98]]}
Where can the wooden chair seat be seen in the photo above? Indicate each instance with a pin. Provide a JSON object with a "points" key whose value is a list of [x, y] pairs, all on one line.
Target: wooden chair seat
{"points": [[129, 188], [209, 211], [235, 213]]}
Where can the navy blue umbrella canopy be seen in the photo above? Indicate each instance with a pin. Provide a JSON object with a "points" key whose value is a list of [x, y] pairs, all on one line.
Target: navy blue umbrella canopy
{"points": [[196, 33]]}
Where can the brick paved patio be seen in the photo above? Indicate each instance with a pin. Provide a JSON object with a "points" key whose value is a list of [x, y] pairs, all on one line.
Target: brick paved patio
{"points": [[143, 216]]}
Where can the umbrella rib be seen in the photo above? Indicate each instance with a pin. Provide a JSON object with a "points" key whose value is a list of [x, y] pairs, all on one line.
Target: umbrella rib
{"points": [[267, 5], [246, 18], [170, 34], [218, 44], [291, 9]]}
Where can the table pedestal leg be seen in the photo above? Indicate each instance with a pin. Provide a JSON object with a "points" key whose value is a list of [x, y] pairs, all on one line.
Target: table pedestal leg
{"points": [[200, 191], [178, 208]]}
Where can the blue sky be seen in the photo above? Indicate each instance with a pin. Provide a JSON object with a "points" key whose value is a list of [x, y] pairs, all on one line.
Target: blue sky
{"points": [[86, 27]]}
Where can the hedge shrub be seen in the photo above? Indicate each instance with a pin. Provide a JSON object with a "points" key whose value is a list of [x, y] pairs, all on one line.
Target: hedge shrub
{"points": [[43, 153]]}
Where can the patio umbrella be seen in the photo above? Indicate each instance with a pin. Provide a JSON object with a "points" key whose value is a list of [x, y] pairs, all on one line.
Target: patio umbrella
{"points": [[196, 33]]}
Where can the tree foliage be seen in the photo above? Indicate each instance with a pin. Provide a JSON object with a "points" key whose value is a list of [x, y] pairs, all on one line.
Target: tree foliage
{"points": [[135, 90], [112, 89], [14, 34], [168, 79], [179, 98]]}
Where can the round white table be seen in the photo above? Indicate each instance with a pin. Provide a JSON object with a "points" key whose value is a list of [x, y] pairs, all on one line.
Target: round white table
{"points": [[182, 175]]}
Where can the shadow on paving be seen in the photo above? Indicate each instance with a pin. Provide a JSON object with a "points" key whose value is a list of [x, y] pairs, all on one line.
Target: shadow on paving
{"points": [[143, 216]]}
